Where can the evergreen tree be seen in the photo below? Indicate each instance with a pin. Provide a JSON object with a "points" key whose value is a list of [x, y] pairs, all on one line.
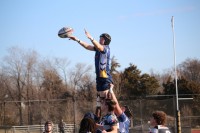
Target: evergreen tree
{"points": [[136, 84]]}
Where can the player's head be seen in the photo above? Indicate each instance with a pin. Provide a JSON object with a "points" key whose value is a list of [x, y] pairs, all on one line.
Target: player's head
{"points": [[92, 116], [87, 125], [159, 117], [107, 38], [127, 111], [48, 126]]}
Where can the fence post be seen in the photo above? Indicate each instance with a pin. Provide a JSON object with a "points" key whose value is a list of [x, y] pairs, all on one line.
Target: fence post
{"points": [[178, 122], [141, 115]]}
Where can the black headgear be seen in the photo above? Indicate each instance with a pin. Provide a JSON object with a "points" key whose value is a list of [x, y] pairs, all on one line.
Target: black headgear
{"points": [[91, 115], [106, 37]]}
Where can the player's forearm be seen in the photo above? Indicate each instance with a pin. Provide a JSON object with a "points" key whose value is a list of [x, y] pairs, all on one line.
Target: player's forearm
{"points": [[96, 44], [117, 110], [114, 97], [85, 45]]}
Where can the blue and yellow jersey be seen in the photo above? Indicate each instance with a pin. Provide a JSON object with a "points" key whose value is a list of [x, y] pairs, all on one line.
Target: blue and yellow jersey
{"points": [[102, 60]]}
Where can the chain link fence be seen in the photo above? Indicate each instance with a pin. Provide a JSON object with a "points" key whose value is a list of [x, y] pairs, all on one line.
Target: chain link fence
{"points": [[36, 112]]}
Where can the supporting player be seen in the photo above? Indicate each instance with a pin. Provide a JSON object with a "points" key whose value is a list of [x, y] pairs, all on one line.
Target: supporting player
{"points": [[123, 113]]}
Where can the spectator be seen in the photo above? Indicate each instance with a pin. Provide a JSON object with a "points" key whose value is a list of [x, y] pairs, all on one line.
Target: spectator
{"points": [[157, 122], [48, 127], [61, 126]]}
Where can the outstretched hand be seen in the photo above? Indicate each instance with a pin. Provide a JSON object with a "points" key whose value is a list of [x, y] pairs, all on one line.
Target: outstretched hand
{"points": [[87, 34], [72, 38], [110, 91]]}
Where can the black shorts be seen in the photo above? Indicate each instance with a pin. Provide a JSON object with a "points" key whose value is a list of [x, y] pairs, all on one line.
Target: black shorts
{"points": [[103, 84]]}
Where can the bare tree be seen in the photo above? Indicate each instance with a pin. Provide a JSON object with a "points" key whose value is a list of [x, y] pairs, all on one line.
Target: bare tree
{"points": [[62, 65], [30, 69], [190, 69], [3, 97], [77, 74], [19, 66], [78, 81], [15, 69]]}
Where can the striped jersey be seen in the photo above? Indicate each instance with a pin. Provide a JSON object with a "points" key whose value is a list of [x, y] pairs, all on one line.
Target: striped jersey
{"points": [[160, 129]]}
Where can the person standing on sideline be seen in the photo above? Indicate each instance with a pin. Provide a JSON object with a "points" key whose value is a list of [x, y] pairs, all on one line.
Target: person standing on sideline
{"points": [[48, 127], [61, 126], [123, 113], [157, 122], [102, 60]]}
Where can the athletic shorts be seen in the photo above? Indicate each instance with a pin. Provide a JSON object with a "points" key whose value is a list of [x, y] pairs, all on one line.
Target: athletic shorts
{"points": [[103, 84]]}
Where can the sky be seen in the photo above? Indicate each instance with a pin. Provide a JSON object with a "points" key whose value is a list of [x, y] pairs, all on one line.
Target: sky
{"points": [[141, 30]]}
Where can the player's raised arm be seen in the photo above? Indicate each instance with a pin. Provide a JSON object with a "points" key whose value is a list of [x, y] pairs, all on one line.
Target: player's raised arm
{"points": [[83, 44], [96, 44], [118, 111]]}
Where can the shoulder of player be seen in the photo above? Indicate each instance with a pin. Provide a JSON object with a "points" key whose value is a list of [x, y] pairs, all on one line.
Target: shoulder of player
{"points": [[162, 127], [123, 116], [111, 117]]}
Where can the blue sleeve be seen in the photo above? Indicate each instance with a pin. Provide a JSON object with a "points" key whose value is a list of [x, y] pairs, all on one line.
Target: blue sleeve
{"points": [[122, 117], [112, 120], [105, 49]]}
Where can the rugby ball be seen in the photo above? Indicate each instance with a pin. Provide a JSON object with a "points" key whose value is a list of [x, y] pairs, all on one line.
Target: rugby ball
{"points": [[65, 32]]}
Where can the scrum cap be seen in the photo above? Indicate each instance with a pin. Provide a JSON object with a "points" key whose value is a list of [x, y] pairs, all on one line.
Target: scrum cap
{"points": [[107, 38]]}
